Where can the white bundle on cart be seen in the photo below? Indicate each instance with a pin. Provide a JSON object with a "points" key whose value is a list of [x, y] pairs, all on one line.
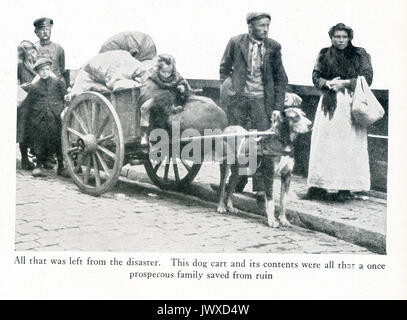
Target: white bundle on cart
{"points": [[110, 71], [124, 61]]}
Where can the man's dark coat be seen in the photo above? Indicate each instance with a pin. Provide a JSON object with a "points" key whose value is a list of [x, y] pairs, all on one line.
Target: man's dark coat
{"points": [[234, 64]]}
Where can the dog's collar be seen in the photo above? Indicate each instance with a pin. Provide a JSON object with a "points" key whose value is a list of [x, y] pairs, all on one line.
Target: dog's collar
{"points": [[276, 134], [276, 147]]}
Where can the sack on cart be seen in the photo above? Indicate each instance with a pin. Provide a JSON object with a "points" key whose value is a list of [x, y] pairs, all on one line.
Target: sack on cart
{"points": [[140, 45]]}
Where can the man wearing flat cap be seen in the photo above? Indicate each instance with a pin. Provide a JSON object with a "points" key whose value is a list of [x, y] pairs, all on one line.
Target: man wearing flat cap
{"points": [[253, 77], [48, 49]]}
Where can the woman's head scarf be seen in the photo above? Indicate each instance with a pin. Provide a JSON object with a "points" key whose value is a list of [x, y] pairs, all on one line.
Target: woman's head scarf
{"points": [[341, 27]]}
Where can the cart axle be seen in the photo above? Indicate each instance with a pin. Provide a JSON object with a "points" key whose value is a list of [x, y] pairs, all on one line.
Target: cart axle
{"points": [[90, 143]]}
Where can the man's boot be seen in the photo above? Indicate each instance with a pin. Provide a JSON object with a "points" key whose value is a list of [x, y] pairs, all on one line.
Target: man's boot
{"points": [[38, 172], [61, 170], [25, 163], [50, 162]]}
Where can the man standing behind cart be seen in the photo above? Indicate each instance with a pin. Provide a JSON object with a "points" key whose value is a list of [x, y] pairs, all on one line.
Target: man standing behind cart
{"points": [[253, 71], [48, 49]]}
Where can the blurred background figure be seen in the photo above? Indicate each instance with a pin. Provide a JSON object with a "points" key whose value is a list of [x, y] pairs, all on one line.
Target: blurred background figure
{"points": [[27, 56]]}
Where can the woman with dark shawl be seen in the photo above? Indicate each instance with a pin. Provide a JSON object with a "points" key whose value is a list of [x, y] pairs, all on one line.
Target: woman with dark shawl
{"points": [[339, 161]]}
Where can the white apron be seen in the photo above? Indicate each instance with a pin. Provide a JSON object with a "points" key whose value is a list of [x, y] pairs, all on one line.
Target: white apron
{"points": [[339, 157]]}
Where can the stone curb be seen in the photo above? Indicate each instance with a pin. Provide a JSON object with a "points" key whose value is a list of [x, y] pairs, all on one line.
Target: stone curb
{"points": [[202, 193]]}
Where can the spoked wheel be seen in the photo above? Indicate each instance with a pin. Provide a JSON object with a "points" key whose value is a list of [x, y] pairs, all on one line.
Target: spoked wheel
{"points": [[171, 172], [92, 143]]}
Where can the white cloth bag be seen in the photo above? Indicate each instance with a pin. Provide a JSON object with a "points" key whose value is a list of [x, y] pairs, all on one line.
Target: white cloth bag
{"points": [[366, 110]]}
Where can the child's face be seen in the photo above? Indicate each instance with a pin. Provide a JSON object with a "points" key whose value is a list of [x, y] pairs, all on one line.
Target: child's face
{"points": [[165, 70], [44, 72]]}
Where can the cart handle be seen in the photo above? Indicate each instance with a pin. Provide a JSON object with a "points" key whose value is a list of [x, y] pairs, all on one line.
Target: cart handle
{"points": [[226, 135]]}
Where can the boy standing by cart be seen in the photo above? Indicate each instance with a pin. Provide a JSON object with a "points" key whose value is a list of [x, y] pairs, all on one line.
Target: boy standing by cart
{"points": [[45, 102]]}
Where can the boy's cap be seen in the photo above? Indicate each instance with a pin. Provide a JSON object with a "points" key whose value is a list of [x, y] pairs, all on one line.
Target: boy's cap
{"points": [[41, 63], [43, 22]]}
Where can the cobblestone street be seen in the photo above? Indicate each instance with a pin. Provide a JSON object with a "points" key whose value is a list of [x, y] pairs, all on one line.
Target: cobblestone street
{"points": [[52, 214]]}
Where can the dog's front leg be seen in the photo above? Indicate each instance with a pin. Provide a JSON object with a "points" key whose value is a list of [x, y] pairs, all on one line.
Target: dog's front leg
{"points": [[224, 171], [267, 171], [269, 201], [285, 187], [270, 209], [233, 181]]}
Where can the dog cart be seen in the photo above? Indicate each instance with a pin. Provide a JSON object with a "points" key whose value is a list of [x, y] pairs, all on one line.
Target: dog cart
{"points": [[101, 133]]}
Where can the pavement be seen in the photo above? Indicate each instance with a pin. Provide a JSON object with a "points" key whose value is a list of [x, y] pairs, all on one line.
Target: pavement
{"points": [[360, 221], [52, 214]]}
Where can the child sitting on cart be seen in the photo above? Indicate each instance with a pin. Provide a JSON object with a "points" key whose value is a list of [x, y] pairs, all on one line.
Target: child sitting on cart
{"points": [[165, 77], [45, 102]]}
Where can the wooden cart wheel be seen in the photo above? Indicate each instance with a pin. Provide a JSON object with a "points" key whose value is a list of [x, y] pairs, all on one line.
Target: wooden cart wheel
{"points": [[92, 143], [172, 173]]}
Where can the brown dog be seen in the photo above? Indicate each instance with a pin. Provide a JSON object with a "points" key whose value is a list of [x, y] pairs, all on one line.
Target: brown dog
{"points": [[276, 158]]}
